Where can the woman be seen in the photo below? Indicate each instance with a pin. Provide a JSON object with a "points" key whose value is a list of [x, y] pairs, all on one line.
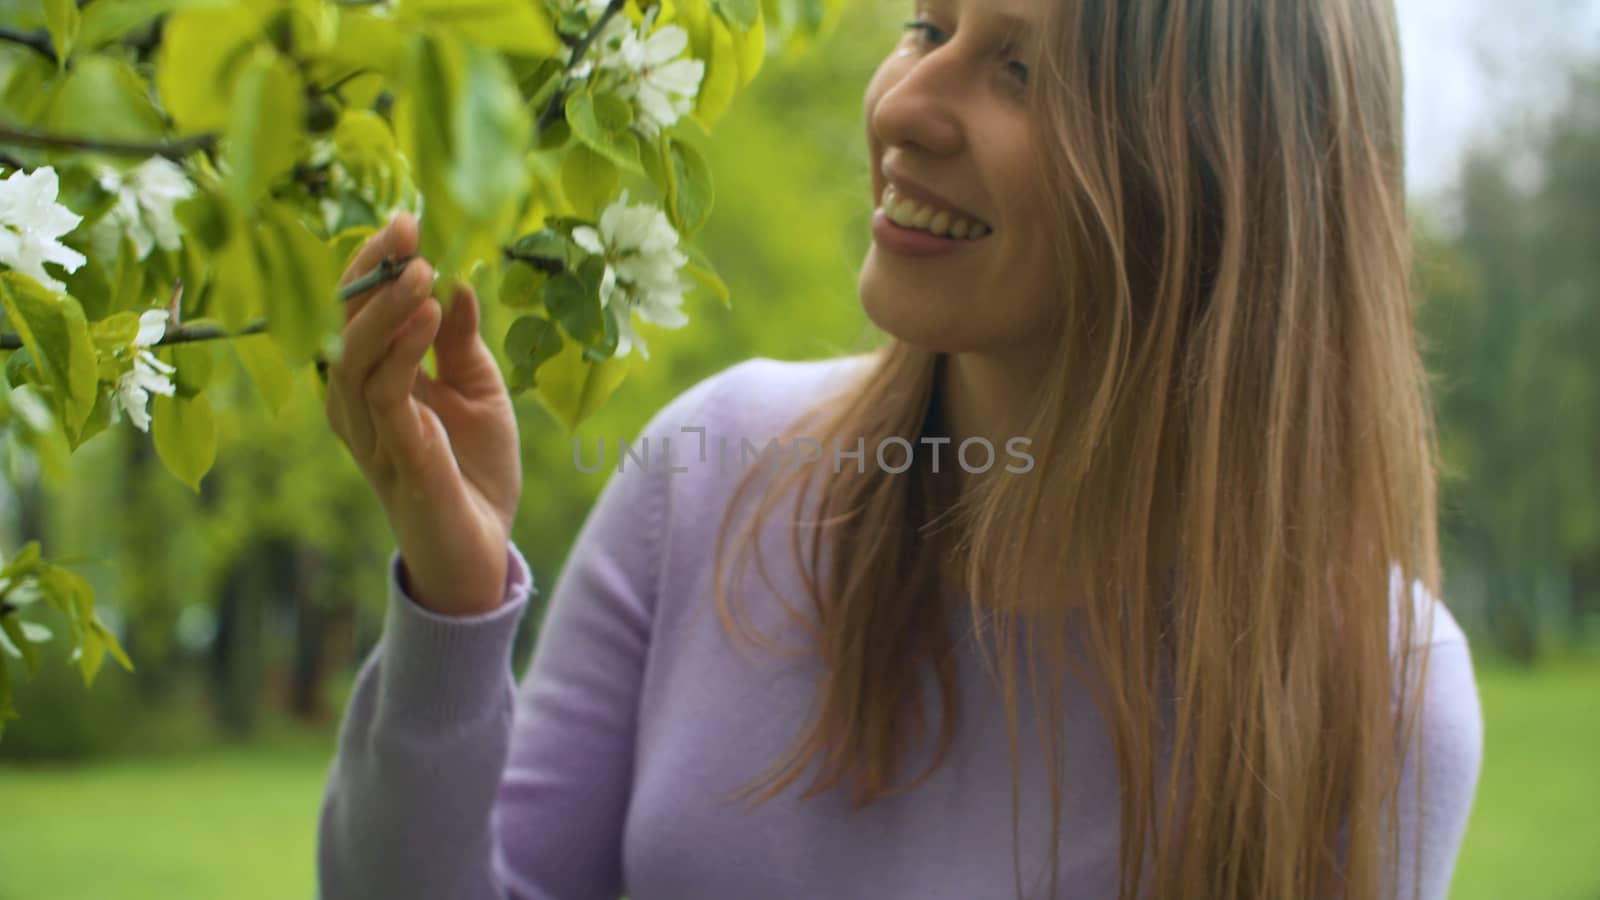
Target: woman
{"points": [[1150, 424]]}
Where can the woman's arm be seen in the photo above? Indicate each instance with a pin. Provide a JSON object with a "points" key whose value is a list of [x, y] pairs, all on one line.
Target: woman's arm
{"points": [[451, 781]]}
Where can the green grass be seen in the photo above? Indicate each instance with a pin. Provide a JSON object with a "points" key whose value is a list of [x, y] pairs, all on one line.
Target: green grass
{"points": [[231, 823], [1535, 829], [241, 823]]}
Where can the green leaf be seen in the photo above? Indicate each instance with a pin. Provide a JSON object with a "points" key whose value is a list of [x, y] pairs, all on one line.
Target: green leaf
{"points": [[185, 435], [127, 277], [194, 361], [612, 112], [589, 180], [20, 369], [28, 561], [751, 48], [268, 369], [91, 653], [238, 283], [708, 279], [721, 78], [692, 194], [546, 243], [512, 26], [16, 630], [620, 147], [491, 135], [607, 347], [521, 285], [53, 329], [367, 41], [105, 97], [115, 332], [742, 13], [576, 306], [572, 388], [202, 53], [30, 88], [530, 342], [99, 420], [204, 215], [61, 17], [302, 306], [653, 158], [112, 645], [107, 21], [268, 109]]}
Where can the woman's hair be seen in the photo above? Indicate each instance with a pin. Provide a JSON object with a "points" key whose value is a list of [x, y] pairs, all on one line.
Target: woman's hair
{"points": [[1235, 465]]}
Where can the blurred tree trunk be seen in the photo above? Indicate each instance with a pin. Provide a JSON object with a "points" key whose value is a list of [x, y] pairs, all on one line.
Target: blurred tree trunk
{"points": [[31, 518], [305, 685], [239, 651], [1584, 598], [1511, 608], [149, 619]]}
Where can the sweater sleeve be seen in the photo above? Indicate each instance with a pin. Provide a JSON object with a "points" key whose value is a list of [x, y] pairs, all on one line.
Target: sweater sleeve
{"points": [[420, 750], [1447, 758], [450, 780]]}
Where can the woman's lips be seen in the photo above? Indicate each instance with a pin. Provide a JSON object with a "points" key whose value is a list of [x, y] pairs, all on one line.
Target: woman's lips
{"points": [[911, 242]]}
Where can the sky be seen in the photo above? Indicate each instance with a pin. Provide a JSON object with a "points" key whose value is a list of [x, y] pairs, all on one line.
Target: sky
{"points": [[1467, 62]]}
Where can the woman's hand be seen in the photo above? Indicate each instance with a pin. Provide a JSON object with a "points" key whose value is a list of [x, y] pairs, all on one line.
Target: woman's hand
{"points": [[441, 454]]}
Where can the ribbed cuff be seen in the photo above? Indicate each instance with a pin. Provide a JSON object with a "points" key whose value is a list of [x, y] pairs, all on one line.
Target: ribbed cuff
{"points": [[438, 671]]}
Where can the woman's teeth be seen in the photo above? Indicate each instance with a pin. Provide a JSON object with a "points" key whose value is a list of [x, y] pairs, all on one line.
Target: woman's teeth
{"points": [[920, 217]]}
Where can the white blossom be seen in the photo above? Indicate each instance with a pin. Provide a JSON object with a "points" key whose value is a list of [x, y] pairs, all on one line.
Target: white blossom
{"points": [[148, 375], [31, 221], [661, 85], [640, 247], [643, 67], [146, 197]]}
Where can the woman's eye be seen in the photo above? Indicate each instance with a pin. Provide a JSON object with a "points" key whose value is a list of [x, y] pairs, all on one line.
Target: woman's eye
{"points": [[928, 29], [932, 32]]}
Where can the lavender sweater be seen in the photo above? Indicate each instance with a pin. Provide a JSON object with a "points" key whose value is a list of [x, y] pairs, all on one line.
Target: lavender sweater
{"points": [[604, 771]]}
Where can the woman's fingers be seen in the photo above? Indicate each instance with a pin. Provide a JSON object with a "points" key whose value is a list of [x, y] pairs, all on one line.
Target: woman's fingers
{"points": [[367, 341], [396, 240], [396, 421]]}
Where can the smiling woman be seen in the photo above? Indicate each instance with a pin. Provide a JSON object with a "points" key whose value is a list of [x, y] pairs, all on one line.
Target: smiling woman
{"points": [[1157, 251]]}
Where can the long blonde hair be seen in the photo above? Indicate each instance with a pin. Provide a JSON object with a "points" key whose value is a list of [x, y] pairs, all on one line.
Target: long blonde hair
{"points": [[1235, 463]]}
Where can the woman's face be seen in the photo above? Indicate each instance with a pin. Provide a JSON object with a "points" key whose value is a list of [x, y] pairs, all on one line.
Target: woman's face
{"points": [[947, 122]]}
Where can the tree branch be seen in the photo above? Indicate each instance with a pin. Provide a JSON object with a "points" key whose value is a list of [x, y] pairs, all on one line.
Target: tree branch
{"points": [[387, 270], [547, 264], [559, 98], [174, 150]]}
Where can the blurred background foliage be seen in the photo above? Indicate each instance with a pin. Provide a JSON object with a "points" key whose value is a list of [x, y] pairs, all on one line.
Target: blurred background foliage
{"points": [[247, 607]]}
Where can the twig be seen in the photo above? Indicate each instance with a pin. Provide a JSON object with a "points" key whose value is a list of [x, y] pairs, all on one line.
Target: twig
{"points": [[38, 39], [174, 150], [559, 98], [547, 264], [387, 270], [333, 88]]}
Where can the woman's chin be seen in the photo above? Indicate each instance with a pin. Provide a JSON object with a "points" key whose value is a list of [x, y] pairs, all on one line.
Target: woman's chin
{"points": [[916, 317]]}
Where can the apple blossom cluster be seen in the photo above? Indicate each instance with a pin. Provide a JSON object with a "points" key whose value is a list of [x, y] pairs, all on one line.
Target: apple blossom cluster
{"points": [[643, 67], [32, 223], [637, 241], [640, 248]]}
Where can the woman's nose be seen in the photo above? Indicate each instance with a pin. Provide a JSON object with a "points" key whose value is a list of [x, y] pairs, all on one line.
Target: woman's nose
{"points": [[921, 107]]}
